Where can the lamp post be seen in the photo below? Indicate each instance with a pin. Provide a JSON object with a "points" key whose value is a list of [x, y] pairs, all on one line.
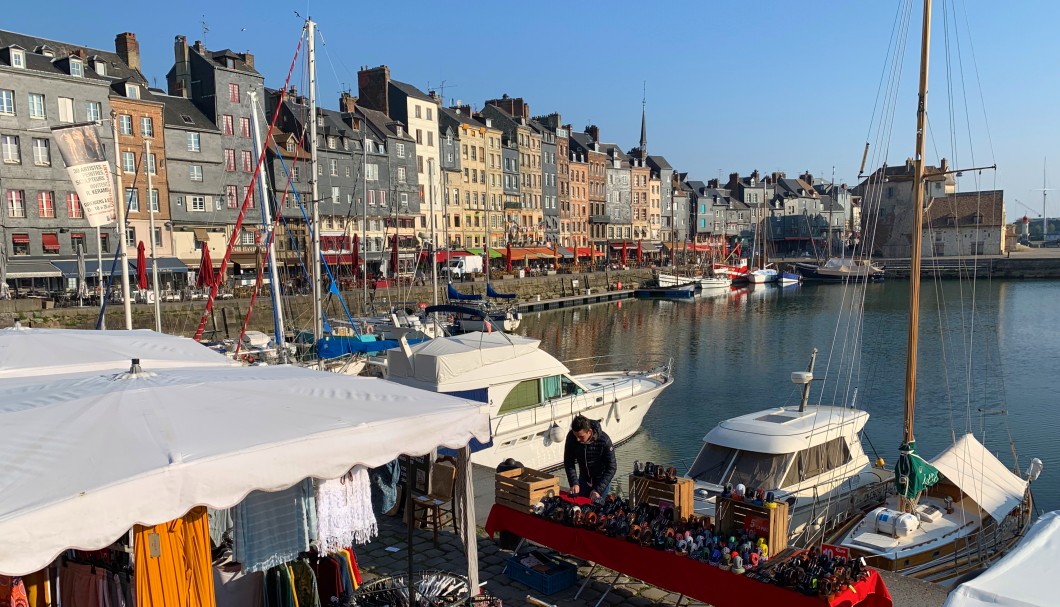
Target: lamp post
{"points": [[121, 202]]}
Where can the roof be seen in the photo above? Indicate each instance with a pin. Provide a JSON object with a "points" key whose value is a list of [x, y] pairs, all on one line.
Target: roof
{"points": [[785, 430], [981, 476], [448, 116], [659, 163], [1022, 577], [116, 68], [989, 205], [220, 58], [382, 123], [182, 113], [471, 361], [412, 91]]}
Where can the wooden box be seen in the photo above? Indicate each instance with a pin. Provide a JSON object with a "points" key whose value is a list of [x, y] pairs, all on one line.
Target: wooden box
{"points": [[521, 488], [679, 494], [770, 523]]}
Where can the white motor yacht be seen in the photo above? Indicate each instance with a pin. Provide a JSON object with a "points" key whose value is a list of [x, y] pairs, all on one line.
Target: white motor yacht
{"points": [[532, 396]]}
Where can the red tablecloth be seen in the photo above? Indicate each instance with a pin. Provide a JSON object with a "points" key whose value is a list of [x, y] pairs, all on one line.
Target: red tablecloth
{"points": [[671, 571]]}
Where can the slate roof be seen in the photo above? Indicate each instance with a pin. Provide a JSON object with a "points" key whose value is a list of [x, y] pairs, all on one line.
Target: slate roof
{"points": [[411, 91], [220, 57], [451, 117], [382, 123], [116, 68], [175, 110], [961, 209], [659, 163]]}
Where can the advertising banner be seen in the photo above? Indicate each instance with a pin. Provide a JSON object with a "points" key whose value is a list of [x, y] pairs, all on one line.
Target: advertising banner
{"points": [[86, 163]]}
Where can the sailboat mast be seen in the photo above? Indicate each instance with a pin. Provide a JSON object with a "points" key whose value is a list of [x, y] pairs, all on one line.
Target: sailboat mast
{"points": [[318, 321], [918, 222]]}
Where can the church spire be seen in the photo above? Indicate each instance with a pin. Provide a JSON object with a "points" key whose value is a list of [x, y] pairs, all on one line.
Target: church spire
{"points": [[644, 123]]}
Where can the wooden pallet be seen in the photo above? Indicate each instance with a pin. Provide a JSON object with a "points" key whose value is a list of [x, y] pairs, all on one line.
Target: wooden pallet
{"points": [[679, 494], [521, 488], [770, 523]]}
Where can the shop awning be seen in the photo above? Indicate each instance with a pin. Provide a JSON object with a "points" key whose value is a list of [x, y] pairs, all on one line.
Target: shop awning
{"points": [[588, 252], [444, 256], [202, 235], [169, 265], [494, 253], [20, 238], [50, 242], [334, 259], [69, 268], [631, 245], [566, 253], [32, 269]]}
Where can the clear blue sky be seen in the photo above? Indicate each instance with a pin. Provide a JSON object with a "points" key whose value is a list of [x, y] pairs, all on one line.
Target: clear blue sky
{"points": [[734, 86]]}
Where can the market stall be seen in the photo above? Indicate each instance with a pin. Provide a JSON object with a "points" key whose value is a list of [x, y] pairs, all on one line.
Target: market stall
{"points": [[670, 571]]}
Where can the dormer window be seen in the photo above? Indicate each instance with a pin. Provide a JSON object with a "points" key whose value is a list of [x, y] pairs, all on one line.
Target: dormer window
{"points": [[76, 67], [100, 67], [400, 130], [290, 145], [132, 91], [18, 58], [45, 50], [331, 143]]}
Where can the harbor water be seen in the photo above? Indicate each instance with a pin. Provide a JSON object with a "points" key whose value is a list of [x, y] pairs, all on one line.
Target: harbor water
{"points": [[734, 353]]}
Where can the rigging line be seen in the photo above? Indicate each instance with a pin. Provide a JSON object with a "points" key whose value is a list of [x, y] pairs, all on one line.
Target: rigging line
{"points": [[246, 200], [887, 59], [979, 86]]}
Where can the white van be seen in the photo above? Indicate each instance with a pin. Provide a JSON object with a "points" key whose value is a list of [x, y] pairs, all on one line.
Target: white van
{"points": [[460, 266]]}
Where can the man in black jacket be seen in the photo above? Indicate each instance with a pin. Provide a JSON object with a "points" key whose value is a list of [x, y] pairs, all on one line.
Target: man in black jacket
{"points": [[589, 459]]}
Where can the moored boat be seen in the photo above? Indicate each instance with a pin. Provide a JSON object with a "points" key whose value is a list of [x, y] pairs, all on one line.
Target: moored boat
{"points": [[840, 269], [682, 291]]}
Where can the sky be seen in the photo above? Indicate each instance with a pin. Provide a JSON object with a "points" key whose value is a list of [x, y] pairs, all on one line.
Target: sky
{"points": [[730, 86]]}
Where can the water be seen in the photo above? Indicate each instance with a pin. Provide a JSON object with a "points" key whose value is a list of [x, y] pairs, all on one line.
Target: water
{"points": [[734, 353]]}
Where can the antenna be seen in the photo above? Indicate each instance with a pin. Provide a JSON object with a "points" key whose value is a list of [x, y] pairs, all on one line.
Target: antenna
{"points": [[441, 89], [205, 29]]}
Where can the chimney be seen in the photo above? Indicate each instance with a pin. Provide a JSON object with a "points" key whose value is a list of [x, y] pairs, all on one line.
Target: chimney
{"points": [[128, 49], [374, 88], [248, 58], [755, 176], [807, 177], [199, 48], [181, 84], [712, 183], [347, 103], [593, 131], [734, 181], [513, 105], [463, 110], [945, 166]]}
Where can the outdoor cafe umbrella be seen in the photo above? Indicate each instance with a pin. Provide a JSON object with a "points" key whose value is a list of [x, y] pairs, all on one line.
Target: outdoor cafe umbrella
{"points": [[394, 255], [508, 257], [205, 278], [640, 251], [623, 252], [82, 288], [356, 254], [141, 266]]}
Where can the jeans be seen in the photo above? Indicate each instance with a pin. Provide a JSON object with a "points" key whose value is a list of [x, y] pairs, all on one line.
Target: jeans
{"points": [[585, 488]]}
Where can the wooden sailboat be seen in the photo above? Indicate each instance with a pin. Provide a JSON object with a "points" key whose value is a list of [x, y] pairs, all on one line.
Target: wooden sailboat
{"points": [[962, 509]]}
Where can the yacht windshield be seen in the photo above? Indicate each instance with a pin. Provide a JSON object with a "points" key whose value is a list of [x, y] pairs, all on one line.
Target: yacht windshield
{"points": [[721, 465], [711, 463]]}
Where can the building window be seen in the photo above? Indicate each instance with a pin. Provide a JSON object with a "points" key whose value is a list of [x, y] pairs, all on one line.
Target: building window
{"points": [[153, 199], [347, 171], [158, 237], [233, 92], [401, 174], [247, 237], [100, 67], [125, 124], [132, 200], [50, 243], [296, 173], [16, 203], [93, 111], [36, 106], [418, 112], [104, 243], [10, 149], [7, 101], [230, 160], [404, 200], [194, 142], [231, 194], [335, 194], [197, 203], [147, 126], [248, 196], [66, 109], [132, 91], [227, 124], [73, 206], [46, 204], [430, 138], [382, 198], [332, 143], [41, 153], [130, 236], [248, 163], [419, 136], [430, 114], [195, 172], [244, 127], [18, 58], [151, 166], [128, 162], [400, 150], [371, 172], [77, 242], [333, 167], [371, 198]]}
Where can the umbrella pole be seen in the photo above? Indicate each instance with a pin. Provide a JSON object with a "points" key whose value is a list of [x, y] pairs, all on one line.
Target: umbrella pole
{"points": [[411, 514]]}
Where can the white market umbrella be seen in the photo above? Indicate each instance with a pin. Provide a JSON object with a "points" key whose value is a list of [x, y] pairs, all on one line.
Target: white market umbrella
{"points": [[89, 455]]}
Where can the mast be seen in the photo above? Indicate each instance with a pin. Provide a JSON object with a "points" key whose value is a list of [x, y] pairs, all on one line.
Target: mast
{"points": [[918, 221], [123, 257], [432, 249], [364, 217], [154, 258], [318, 321], [266, 220]]}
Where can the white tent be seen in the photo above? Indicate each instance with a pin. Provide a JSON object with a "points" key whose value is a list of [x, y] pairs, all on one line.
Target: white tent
{"points": [[85, 456], [1023, 577], [471, 361], [25, 352], [981, 476]]}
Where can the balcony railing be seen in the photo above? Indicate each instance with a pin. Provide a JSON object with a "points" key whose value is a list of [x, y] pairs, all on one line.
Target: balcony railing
{"points": [[599, 219], [513, 205]]}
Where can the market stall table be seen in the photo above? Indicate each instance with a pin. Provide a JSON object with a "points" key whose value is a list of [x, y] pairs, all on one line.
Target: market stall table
{"points": [[671, 571]]}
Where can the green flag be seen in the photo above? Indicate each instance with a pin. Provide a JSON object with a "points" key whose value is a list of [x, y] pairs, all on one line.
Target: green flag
{"points": [[912, 474]]}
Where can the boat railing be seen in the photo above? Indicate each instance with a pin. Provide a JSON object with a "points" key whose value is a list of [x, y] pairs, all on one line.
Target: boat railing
{"points": [[642, 363]]}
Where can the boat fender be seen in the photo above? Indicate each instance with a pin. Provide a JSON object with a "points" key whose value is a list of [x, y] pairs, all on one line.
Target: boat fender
{"points": [[615, 412], [555, 433]]}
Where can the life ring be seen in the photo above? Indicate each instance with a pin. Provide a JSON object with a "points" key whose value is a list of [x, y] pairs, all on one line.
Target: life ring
{"points": [[369, 329]]}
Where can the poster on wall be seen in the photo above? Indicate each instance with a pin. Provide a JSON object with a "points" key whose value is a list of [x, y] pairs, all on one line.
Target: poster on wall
{"points": [[86, 163]]}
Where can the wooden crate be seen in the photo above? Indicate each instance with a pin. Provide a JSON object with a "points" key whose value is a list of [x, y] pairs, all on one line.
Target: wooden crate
{"points": [[770, 523], [643, 489], [521, 488]]}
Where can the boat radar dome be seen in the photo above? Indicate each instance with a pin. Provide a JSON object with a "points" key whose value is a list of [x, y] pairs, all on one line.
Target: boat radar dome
{"points": [[801, 377]]}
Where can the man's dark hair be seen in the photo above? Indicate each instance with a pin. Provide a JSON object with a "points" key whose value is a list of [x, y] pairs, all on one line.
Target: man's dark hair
{"points": [[581, 423]]}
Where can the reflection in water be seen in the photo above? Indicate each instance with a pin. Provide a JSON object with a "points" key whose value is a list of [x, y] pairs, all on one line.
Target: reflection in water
{"points": [[734, 352]]}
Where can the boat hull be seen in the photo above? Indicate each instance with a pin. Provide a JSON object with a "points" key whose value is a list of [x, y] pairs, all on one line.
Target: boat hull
{"points": [[814, 272], [685, 291]]}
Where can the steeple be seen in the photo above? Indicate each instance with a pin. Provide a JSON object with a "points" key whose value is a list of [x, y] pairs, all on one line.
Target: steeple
{"points": [[644, 123]]}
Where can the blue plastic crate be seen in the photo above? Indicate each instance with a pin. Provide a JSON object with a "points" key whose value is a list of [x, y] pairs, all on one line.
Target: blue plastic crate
{"points": [[562, 577]]}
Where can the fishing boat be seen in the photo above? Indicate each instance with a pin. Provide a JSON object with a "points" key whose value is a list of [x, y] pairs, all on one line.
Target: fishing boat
{"points": [[532, 396], [809, 456], [963, 509], [703, 282], [840, 269], [710, 283], [788, 278], [682, 291]]}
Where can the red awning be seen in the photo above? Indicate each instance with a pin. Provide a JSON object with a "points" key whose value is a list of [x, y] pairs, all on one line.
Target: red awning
{"points": [[20, 238], [338, 258], [587, 252], [50, 241], [630, 246]]}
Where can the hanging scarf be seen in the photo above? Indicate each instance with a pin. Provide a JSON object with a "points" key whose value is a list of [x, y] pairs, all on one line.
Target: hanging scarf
{"points": [[272, 528], [344, 511]]}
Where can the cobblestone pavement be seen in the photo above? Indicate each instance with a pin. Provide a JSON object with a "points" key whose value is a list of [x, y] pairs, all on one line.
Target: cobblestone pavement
{"points": [[376, 560]]}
